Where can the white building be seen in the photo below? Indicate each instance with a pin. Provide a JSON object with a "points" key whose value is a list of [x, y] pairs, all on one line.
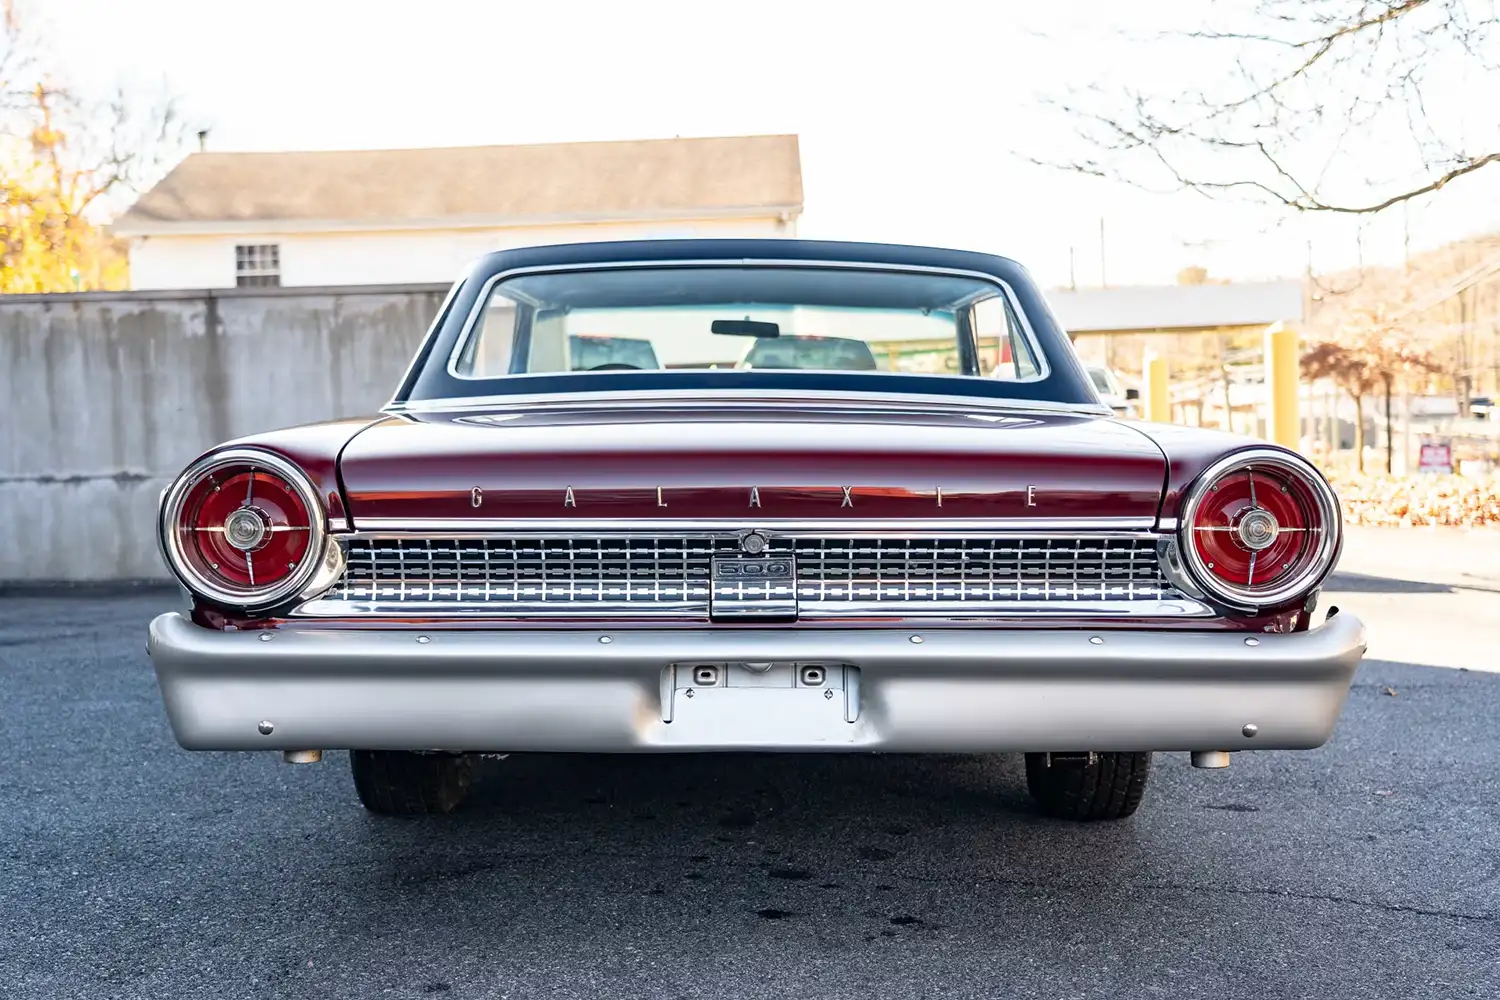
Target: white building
{"points": [[419, 215]]}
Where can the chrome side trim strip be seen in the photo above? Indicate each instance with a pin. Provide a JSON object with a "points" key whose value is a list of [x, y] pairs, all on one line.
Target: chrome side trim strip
{"points": [[1012, 527]]}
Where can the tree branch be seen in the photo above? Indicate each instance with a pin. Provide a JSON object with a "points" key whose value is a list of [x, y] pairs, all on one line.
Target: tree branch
{"points": [[1323, 87]]}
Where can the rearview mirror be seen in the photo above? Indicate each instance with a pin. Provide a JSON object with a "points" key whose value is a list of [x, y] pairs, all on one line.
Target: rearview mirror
{"points": [[745, 328]]}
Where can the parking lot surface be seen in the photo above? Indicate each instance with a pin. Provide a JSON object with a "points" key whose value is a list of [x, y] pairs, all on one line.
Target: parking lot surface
{"points": [[1370, 867]]}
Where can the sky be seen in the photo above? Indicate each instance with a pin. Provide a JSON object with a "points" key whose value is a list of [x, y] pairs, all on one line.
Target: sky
{"points": [[916, 120]]}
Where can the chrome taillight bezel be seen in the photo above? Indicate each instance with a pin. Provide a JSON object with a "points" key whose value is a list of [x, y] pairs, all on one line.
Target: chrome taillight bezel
{"points": [[317, 570], [1304, 582]]}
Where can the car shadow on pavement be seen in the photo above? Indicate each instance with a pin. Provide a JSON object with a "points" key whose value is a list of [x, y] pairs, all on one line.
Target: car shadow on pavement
{"points": [[1360, 583], [766, 832]]}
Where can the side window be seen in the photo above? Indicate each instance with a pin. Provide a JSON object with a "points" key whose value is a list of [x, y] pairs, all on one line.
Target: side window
{"points": [[257, 265], [487, 354], [1004, 351]]}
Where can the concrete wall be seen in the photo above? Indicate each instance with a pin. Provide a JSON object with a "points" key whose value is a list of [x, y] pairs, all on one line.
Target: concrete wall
{"points": [[328, 257], [109, 395]]}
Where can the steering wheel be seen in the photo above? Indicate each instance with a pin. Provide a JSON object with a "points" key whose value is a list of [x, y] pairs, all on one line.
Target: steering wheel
{"points": [[616, 366]]}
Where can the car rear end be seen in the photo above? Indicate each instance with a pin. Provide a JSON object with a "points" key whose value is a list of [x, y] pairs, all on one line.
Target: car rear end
{"points": [[498, 630]]}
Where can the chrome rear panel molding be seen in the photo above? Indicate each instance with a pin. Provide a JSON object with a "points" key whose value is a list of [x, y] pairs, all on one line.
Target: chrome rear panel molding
{"points": [[670, 574], [1034, 527]]}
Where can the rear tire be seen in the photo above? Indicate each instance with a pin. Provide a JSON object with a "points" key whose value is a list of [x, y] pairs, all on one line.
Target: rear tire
{"points": [[402, 783], [1109, 788]]}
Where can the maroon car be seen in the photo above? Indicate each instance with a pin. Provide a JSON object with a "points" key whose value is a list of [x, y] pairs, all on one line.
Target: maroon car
{"points": [[519, 555]]}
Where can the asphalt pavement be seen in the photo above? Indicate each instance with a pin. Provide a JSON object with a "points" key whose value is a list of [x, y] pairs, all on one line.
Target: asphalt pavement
{"points": [[1368, 868]]}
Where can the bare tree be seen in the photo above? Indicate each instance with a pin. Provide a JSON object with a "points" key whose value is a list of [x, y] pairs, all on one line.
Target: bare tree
{"points": [[1338, 106]]}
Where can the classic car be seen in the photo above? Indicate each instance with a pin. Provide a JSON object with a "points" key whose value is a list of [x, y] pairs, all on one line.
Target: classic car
{"points": [[514, 556], [1107, 384]]}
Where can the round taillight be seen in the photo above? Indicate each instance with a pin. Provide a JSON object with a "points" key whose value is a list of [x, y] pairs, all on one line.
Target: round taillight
{"points": [[1260, 528], [243, 528]]}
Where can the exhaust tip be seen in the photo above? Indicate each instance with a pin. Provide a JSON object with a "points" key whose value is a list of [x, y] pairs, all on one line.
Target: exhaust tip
{"points": [[301, 756], [1210, 758]]}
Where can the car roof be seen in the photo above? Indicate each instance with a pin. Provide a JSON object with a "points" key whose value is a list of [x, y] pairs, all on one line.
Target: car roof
{"points": [[645, 251]]}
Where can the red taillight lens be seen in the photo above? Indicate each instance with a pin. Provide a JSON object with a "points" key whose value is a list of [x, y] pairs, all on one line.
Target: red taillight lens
{"points": [[242, 528], [245, 525], [1260, 528]]}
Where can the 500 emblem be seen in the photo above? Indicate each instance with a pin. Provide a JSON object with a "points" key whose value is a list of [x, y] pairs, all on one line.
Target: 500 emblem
{"points": [[753, 588], [758, 569]]}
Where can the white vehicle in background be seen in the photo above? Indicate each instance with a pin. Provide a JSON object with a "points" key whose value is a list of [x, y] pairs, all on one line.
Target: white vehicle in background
{"points": [[1125, 402]]}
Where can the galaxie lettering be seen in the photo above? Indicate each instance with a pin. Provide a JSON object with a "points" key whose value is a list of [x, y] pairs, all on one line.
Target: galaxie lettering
{"points": [[476, 496]]}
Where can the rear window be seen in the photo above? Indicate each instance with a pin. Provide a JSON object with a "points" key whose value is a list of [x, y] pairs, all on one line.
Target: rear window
{"points": [[746, 319]]}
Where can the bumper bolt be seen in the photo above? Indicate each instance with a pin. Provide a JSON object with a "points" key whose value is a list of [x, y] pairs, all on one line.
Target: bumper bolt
{"points": [[423, 639], [1252, 641], [606, 640], [265, 637], [1250, 730], [1096, 640], [266, 728], [916, 638]]}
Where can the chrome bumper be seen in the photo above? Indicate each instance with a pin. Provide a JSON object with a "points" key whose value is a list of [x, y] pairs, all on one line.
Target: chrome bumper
{"points": [[629, 690]]}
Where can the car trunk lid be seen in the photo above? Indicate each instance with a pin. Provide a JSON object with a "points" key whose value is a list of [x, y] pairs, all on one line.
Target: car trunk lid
{"points": [[751, 462]]}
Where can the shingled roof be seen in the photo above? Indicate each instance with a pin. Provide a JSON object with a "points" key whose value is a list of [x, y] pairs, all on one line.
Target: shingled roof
{"points": [[473, 185]]}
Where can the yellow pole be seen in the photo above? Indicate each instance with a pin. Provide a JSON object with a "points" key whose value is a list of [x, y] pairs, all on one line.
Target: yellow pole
{"points": [[1158, 406], [1282, 378]]}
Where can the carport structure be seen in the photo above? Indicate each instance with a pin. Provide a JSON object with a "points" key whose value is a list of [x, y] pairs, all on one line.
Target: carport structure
{"points": [[1272, 308]]}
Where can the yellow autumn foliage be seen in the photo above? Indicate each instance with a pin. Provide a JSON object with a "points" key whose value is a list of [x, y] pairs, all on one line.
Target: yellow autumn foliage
{"points": [[47, 242], [1420, 500]]}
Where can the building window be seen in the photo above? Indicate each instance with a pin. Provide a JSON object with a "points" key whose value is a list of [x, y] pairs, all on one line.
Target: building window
{"points": [[257, 265]]}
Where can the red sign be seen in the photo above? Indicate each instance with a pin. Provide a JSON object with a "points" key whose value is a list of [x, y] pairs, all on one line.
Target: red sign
{"points": [[1437, 456]]}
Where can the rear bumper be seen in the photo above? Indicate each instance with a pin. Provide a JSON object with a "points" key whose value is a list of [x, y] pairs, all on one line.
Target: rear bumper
{"points": [[953, 690]]}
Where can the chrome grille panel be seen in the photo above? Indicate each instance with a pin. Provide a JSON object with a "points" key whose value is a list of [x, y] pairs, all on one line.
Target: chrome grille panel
{"points": [[671, 575]]}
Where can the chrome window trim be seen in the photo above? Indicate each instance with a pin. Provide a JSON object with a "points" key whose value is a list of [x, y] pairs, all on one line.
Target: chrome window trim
{"points": [[1324, 557], [433, 330], [1011, 527], [1044, 363], [646, 398]]}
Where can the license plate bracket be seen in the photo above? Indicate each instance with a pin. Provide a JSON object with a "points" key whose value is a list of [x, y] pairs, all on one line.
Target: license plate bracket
{"points": [[829, 689]]}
